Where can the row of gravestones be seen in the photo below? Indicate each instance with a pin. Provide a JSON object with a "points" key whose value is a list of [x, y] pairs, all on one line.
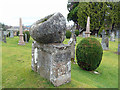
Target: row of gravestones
{"points": [[112, 35], [3, 35]]}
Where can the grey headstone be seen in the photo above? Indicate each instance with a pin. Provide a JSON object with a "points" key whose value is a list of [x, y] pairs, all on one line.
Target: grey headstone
{"points": [[105, 41], [25, 37], [95, 34], [11, 34], [83, 34], [112, 36]]}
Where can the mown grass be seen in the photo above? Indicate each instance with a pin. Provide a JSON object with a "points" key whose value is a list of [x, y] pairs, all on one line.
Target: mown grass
{"points": [[17, 72]]}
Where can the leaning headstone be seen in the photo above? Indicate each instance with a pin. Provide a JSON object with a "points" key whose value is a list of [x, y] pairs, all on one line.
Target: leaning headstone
{"points": [[105, 41], [21, 41], [112, 36], [50, 57], [11, 34], [95, 34], [87, 33], [83, 35]]}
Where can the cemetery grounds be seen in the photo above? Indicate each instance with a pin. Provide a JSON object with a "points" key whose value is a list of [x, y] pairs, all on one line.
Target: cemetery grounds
{"points": [[17, 72]]}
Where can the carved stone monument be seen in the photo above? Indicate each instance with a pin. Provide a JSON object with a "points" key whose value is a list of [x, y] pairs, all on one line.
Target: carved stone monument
{"points": [[87, 33], [112, 36], [105, 41], [50, 57], [21, 41]]}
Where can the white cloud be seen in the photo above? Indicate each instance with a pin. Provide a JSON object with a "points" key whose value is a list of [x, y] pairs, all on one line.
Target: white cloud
{"points": [[29, 10]]}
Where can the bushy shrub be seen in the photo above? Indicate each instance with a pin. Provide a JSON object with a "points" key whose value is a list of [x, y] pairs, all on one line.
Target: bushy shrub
{"points": [[28, 35], [68, 34], [77, 32], [89, 54]]}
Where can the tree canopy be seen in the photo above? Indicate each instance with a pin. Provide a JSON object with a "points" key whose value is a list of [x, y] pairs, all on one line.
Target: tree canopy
{"points": [[103, 15]]}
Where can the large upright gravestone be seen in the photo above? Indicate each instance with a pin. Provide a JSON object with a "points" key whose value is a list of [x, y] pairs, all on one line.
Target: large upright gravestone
{"points": [[50, 57]]}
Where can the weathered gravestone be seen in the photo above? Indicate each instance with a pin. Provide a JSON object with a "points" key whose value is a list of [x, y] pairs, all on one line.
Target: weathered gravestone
{"points": [[26, 38], [11, 34], [112, 36], [83, 34], [50, 57], [72, 42], [119, 42], [4, 34], [117, 33], [95, 34], [105, 41]]}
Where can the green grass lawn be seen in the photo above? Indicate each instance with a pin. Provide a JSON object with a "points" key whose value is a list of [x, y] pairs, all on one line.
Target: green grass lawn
{"points": [[17, 72]]}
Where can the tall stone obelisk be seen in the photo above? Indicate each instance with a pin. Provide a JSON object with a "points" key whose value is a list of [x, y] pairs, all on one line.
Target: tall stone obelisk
{"points": [[21, 41], [87, 33]]}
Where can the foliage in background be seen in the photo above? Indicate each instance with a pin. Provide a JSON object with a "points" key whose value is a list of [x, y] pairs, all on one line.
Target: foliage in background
{"points": [[102, 14], [77, 32], [28, 35], [89, 54], [68, 34]]}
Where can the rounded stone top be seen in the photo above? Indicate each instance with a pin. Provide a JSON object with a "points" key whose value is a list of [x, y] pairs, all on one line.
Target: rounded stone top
{"points": [[50, 29]]}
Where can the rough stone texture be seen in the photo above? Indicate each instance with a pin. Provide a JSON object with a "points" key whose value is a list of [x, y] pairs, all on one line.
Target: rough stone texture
{"points": [[50, 29], [52, 61], [105, 41], [112, 36]]}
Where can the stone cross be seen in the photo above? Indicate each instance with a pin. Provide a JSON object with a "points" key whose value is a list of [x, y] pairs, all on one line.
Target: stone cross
{"points": [[88, 28], [21, 41], [105, 41]]}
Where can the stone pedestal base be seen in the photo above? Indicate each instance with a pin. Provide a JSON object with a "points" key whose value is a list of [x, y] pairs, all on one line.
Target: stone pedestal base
{"points": [[52, 61], [87, 34], [21, 41]]}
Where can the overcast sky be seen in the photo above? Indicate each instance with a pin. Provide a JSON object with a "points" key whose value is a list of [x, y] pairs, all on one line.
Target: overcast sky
{"points": [[29, 10]]}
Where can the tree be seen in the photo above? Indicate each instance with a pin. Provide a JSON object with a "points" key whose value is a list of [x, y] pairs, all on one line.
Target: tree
{"points": [[103, 15], [73, 9]]}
